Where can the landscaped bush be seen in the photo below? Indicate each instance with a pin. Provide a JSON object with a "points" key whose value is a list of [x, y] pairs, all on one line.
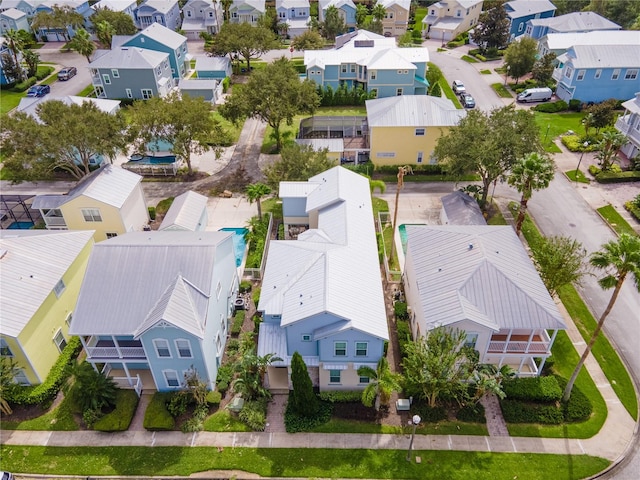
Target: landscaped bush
{"points": [[427, 169], [297, 423], [594, 170], [633, 207], [255, 296], [404, 335], [225, 84], [429, 414], [214, 398], [482, 58], [254, 415], [578, 408], [342, 96], [196, 422], [245, 286], [401, 310], [612, 177], [178, 403], [472, 413], [225, 375], [157, 416], [338, 396], [152, 213], [120, 418], [515, 411], [575, 143], [533, 389], [575, 105], [43, 72], [238, 320], [552, 107], [23, 86], [163, 205], [257, 320]]}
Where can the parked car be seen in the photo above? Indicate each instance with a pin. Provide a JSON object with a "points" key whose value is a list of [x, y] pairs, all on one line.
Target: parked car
{"points": [[67, 73], [38, 91], [458, 87], [6, 476], [535, 95], [467, 101]]}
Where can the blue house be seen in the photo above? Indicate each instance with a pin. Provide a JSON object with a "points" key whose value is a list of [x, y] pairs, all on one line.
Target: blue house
{"points": [[246, 11], [321, 294], [26, 6], [594, 73], [575, 22], [213, 67], [521, 11], [296, 14], [164, 12], [155, 306], [60, 34], [346, 8], [13, 19], [201, 16], [372, 62]]}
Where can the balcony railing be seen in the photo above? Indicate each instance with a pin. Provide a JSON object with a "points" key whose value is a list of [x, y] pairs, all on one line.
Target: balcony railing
{"points": [[518, 347], [112, 352], [623, 126], [55, 221]]}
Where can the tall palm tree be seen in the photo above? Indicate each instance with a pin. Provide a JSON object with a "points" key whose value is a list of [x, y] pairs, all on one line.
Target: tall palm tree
{"points": [[255, 192], [618, 259], [382, 383], [15, 43], [378, 12], [226, 5], [361, 14], [82, 43], [530, 173]]}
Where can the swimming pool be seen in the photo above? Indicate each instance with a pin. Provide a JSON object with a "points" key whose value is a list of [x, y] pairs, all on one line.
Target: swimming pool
{"points": [[402, 230], [20, 226], [239, 242]]}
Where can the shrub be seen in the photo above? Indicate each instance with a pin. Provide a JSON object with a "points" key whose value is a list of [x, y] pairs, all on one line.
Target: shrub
{"points": [[575, 143], [196, 422], [515, 411], [427, 169], [552, 107], [257, 320], [417, 36], [214, 398], [472, 413], [225, 84], [578, 408], [404, 335], [575, 105], [255, 296], [152, 213], [178, 403], [254, 415], [233, 345], [238, 321], [298, 423], [612, 177], [533, 389], [43, 72], [633, 209], [594, 170], [245, 286], [225, 375], [482, 58], [90, 416], [157, 416], [401, 311], [429, 414], [120, 418], [341, 396], [23, 86], [163, 205]]}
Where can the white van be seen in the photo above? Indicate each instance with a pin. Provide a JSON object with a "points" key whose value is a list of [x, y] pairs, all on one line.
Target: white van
{"points": [[535, 95]]}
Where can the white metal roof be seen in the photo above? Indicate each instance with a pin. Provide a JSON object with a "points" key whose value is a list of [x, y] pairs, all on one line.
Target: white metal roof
{"points": [[576, 22], [292, 3], [130, 57], [137, 279], [114, 5], [13, 13], [187, 84], [295, 189], [406, 4], [29, 105], [205, 62], [481, 274], [412, 111], [185, 212], [258, 5], [523, 8], [273, 339], [162, 6], [604, 56], [163, 35], [633, 105], [32, 262], [331, 144], [335, 3], [564, 41]]}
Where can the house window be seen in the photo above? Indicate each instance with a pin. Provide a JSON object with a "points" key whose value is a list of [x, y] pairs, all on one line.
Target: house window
{"points": [[219, 345], [458, 13], [471, 340], [234, 14], [223, 324], [129, 93], [58, 288], [68, 319], [218, 289], [374, 93], [334, 376], [340, 349], [111, 235], [162, 348], [420, 132], [433, 12], [361, 349], [106, 79], [406, 72], [372, 74], [5, 351], [306, 337], [171, 378], [21, 377], [189, 13], [184, 348], [568, 72], [631, 74], [363, 380], [616, 74], [343, 68], [386, 154], [398, 92], [99, 91], [210, 14], [520, 26], [419, 158], [580, 75], [59, 340], [352, 68], [91, 215], [147, 93], [598, 73], [115, 73]]}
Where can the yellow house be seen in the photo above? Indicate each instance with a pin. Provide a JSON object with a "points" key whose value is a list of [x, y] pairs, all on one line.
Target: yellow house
{"points": [[447, 19], [404, 130], [40, 277], [396, 18], [109, 201]]}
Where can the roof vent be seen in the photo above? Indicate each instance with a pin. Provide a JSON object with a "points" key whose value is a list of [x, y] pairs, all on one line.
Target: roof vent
{"points": [[363, 43], [3, 252], [471, 246]]}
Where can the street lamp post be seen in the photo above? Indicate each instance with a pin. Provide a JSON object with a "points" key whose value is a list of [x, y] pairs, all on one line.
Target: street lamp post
{"points": [[506, 75], [416, 421], [585, 145]]}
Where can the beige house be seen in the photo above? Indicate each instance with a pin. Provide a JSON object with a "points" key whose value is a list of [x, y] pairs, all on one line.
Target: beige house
{"points": [[110, 201], [447, 19], [396, 19]]}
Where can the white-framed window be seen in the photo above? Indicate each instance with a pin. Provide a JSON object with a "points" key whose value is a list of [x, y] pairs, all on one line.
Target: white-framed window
{"points": [[171, 378], [343, 68], [580, 75], [597, 74], [334, 376], [520, 26], [59, 287], [631, 74], [129, 92], [362, 349], [218, 289], [458, 13], [5, 351], [419, 157], [471, 340], [372, 74], [406, 72], [234, 14], [147, 93], [616, 74], [183, 346], [420, 132], [399, 72], [91, 215], [398, 92], [59, 340], [352, 68], [210, 14], [219, 345], [111, 235], [363, 380], [20, 377], [115, 73], [223, 324], [162, 348], [386, 154], [340, 349], [189, 13], [68, 319], [99, 90], [106, 79], [568, 72], [374, 93], [306, 337]]}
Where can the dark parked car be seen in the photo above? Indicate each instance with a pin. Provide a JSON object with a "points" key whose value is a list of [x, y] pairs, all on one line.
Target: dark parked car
{"points": [[38, 91], [67, 73], [467, 101]]}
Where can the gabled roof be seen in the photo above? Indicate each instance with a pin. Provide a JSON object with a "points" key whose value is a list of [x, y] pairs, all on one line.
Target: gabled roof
{"points": [[32, 262], [161, 6], [29, 105], [136, 280], [185, 211], [564, 41], [212, 63], [602, 56], [332, 269], [406, 4], [292, 3], [114, 5], [13, 14], [412, 111], [109, 184], [133, 58], [258, 5], [524, 8], [16, 3], [478, 273], [324, 4], [576, 22], [633, 105], [389, 60], [462, 209], [163, 35]]}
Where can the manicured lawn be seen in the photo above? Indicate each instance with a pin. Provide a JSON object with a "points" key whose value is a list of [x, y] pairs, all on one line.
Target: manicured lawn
{"points": [[485, 72], [9, 100], [613, 218], [86, 91], [229, 127], [572, 174], [552, 125], [469, 59], [224, 421], [495, 216], [446, 89], [290, 462], [336, 425], [501, 90], [59, 419], [421, 12]]}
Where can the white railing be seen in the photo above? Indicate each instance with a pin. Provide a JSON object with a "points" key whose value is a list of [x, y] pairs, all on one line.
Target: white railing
{"points": [[625, 127], [112, 352], [55, 221], [129, 383], [518, 347]]}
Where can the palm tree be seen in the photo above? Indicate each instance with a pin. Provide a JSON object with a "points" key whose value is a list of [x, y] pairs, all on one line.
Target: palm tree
{"points": [[618, 258], [382, 383], [609, 146], [255, 192], [105, 32], [82, 43], [378, 12], [226, 4], [533, 172], [361, 14], [377, 185], [91, 390], [8, 371], [15, 44]]}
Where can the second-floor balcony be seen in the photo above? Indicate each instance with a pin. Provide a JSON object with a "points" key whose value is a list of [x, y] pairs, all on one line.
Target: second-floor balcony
{"points": [[624, 124], [537, 342], [113, 349]]}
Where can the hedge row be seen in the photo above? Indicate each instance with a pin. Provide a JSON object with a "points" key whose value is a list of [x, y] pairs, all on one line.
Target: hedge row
{"points": [[533, 389], [472, 413], [633, 210], [552, 107], [120, 418], [338, 396], [238, 320], [297, 423], [574, 143], [611, 177], [426, 169], [429, 414], [404, 335], [157, 416]]}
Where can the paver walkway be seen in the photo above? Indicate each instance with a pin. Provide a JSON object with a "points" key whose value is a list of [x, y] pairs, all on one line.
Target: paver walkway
{"points": [[275, 414], [495, 421]]}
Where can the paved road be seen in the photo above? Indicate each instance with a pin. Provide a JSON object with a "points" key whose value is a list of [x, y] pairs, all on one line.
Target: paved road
{"points": [[51, 53]]}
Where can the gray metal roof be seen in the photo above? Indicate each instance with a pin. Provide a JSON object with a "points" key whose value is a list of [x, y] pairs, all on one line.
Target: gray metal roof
{"points": [[138, 279], [273, 339], [29, 105], [462, 209], [258, 5], [413, 111], [163, 35], [563, 41], [292, 3], [605, 56], [13, 13], [212, 63], [114, 5], [197, 84], [523, 8], [32, 262], [481, 274], [576, 22], [185, 212], [162, 6], [131, 58]]}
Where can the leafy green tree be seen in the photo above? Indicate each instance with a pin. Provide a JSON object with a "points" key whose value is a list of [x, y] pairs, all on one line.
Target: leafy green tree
{"points": [[434, 74], [255, 192], [105, 32], [303, 399], [361, 14], [82, 43], [542, 71], [378, 11], [520, 57], [492, 30], [120, 23], [532, 172], [269, 20], [243, 39], [406, 39], [12, 71], [567, 6], [59, 18], [274, 94], [618, 259], [8, 370], [622, 12], [382, 383], [90, 389], [636, 24], [333, 24], [309, 40], [600, 115], [251, 370], [32, 60], [297, 163], [374, 26], [559, 261], [608, 147]]}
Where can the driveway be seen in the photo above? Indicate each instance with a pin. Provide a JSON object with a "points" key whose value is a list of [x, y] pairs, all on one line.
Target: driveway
{"points": [[50, 53]]}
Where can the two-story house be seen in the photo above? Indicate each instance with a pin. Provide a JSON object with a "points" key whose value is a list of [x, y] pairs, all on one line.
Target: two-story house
{"points": [[372, 62], [13, 19], [246, 11], [396, 17], [40, 277], [480, 279], [629, 124], [521, 11], [201, 16], [346, 9], [155, 306], [164, 12], [296, 14], [574, 22], [445, 20], [109, 201], [63, 33], [127, 7], [322, 295], [594, 73], [26, 6]]}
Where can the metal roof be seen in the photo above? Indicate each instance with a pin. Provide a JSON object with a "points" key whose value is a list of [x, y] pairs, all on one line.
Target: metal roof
{"points": [[29, 105], [604, 56], [413, 111], [335, 3], [331, 144], [406, 4], [333, 269], [135, 280], [523, 8], [204, 62], [295, 189], [13, 13], [576, 22], [273, 339], [185, 212], [130, 57], [163, 35], [197, 84], [564, 41], [32, 262], [162, 6], [114, 5], [292, 3], [462, 209], [481, 274], [633, 105], [258, 5]]}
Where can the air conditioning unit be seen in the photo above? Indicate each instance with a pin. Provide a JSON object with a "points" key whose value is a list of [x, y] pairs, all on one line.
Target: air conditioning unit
{"points": [[409, 310]]}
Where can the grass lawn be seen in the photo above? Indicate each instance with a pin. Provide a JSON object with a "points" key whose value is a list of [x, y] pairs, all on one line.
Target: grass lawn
{"points": [[87, 91], [224, 421], [421, 12], [469, 59], [552, 125], [615, 220], [446, 89], [485, 72], [495, 216], [501, 90], [229, 127], [577, 176], [9, 100], [59, 419], [297, 462], [336, 425]]}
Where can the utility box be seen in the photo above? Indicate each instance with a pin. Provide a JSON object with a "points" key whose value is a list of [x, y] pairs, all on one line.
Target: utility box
{"points": [[403, 405]]}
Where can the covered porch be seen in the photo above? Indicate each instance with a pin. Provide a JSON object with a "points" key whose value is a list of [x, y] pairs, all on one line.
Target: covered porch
{"points": [[137, 379], [518, 341], [112, 347]]}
